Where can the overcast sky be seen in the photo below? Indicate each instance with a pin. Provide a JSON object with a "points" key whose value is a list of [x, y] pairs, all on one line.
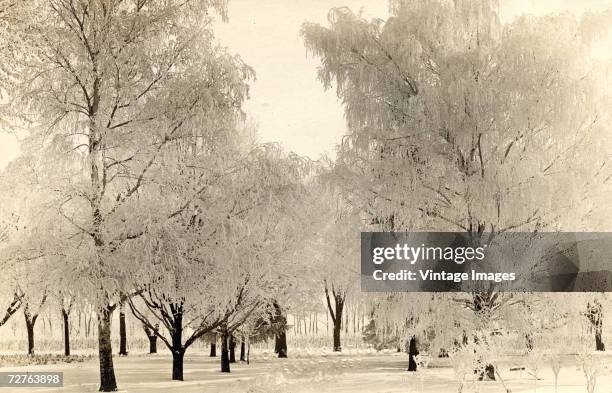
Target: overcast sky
{"points": [[287, 101]]}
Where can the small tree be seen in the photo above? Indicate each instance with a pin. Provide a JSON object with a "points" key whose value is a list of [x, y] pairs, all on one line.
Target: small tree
{"points": [[555, 361], [335, 252], [591, 369], [31, 312], [66, 302]]}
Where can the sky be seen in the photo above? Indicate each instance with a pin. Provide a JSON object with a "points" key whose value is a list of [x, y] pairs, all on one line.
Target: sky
{"points": [[287, 102]]}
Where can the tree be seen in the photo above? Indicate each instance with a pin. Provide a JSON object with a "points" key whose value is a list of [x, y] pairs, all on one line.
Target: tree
{"points": [[595, 316], [270, 239], [23, 256], [403, 320], [448, 104], [335, 312], [31, 312], [335, 251], [66, 303], [11, 226], [118, 82], [15, 293], [278, 323], [460, 123], [223, 223]]}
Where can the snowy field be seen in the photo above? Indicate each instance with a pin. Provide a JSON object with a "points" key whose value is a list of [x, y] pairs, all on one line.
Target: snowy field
{"points": [[312, 372]]}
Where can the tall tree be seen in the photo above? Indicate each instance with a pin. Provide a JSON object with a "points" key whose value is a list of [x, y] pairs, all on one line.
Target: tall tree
{"points": [[118, 82], [460, 123], [448, 130]]}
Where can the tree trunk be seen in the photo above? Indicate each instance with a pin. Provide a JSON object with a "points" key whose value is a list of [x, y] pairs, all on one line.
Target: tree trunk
{"points": [[30, 321], [178, 356], [152, 338], [529, 342], [242, 351], [225, 363], [178, 352], [595, 316], [413, 351], [280, 331], [488, 374], [248, 354], [108, 383], [599, 344], [338, 325], [213, 346], [346, 323], [337, 331], [280, 344], [88, 325], [30, 328], [232, 349], [65, 316], [336, 315], [152, 344], [122, 332]]}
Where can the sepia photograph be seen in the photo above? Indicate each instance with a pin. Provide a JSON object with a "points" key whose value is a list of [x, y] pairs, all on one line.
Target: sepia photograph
{"points": [[306, 196]]}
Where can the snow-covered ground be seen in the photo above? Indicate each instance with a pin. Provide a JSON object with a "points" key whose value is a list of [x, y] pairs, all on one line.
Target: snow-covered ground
{"points": [[308, 371]]}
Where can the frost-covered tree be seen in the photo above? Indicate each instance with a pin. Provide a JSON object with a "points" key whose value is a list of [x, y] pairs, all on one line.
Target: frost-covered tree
{"points": [[66, 300], [42, 247], [32, 308], [266, 239], [117, 82], [334, 251], [460, 123], [213, 256], [403, 320], [9, 289]]}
